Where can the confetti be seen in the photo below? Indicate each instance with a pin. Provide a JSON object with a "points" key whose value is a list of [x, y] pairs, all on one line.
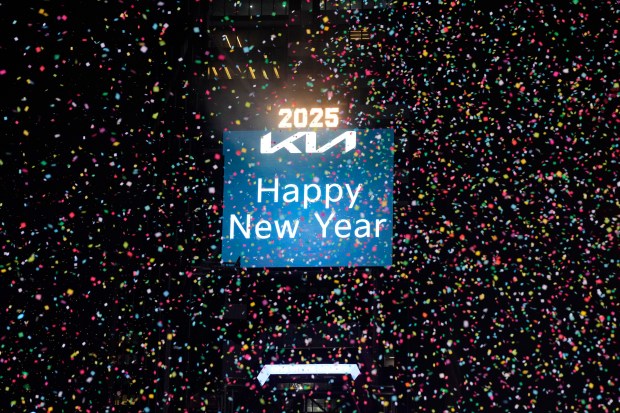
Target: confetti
{"points": [[502, 295]]}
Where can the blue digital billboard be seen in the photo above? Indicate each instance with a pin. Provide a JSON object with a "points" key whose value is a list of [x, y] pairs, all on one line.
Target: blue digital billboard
{"points": [[308, 198]]}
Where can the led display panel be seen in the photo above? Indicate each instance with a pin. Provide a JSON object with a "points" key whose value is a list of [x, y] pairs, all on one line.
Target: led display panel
{"points": [[308, 198]]}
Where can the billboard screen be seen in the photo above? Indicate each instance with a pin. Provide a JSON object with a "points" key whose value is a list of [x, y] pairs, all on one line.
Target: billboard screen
{"points": [[308, 198]]}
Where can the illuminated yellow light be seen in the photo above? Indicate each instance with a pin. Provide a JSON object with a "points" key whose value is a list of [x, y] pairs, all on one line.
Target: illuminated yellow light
{"points": [[227, 72], [360, 34], [265, 74], [275, 69]]}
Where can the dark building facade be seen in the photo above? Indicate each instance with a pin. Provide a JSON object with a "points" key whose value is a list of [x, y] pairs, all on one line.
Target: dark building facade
{"points": [[289, 54]]}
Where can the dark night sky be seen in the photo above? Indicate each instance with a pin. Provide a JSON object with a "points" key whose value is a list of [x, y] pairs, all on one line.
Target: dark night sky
{"points": [[503, 292]]}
